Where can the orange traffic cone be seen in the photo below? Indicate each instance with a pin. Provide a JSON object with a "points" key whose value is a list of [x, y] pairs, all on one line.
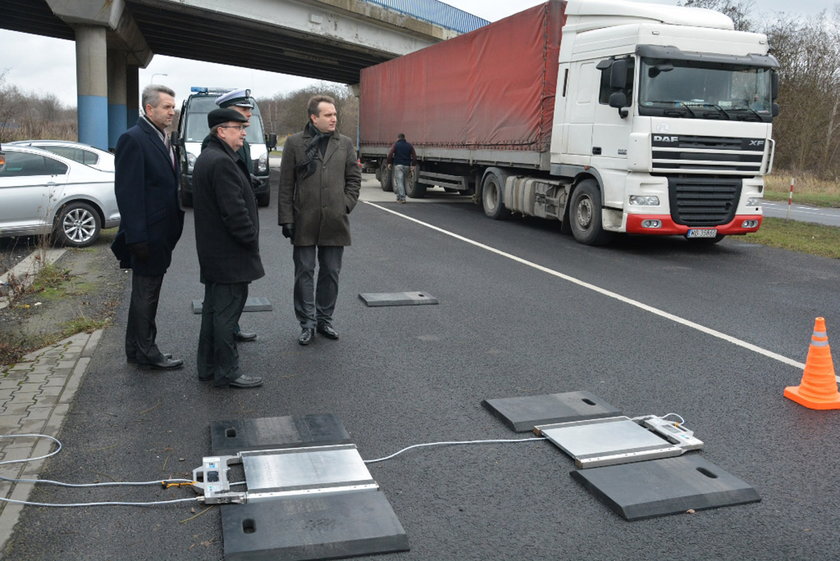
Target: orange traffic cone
{"points": [[818, 389]]}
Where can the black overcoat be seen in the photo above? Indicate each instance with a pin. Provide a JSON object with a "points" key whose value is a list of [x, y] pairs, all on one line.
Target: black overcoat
{"points": [[227, 226], [146, 187]]}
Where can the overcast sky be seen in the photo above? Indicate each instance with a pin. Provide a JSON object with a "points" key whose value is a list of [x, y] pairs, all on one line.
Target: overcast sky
{"points": [[44, 65]]}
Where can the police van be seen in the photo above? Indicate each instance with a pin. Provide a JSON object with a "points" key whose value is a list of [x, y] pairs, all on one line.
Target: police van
{"points": [[193, 129]]}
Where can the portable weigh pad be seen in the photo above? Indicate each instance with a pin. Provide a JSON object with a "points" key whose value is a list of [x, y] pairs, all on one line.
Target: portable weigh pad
{"points": [[603, 442], [524, 413], [309, 493], [230, 437], [252, 304], [668, 486], [375, 299]]}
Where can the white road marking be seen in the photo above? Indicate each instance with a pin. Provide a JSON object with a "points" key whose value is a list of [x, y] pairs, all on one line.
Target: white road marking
{"points": [[605, 292]]}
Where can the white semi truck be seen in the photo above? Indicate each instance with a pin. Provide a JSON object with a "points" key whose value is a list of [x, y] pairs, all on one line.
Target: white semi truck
{"points": [[612, 116]]}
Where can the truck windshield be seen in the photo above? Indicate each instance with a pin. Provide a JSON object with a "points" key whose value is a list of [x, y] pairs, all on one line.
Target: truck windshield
{"points": [[694, 90], [196, 121]]}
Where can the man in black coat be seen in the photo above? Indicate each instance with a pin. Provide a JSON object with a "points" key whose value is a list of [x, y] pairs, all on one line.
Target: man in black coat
{"points": [[227, 233], [151, 221]]}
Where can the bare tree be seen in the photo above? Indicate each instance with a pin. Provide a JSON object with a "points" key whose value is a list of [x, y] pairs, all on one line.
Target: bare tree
{"points": [[737, 11]]}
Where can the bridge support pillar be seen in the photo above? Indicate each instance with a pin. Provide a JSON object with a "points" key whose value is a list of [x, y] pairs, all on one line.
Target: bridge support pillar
{"points": [[117, 96], [92, 83]]}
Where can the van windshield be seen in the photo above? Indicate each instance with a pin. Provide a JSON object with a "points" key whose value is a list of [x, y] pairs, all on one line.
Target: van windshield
{"points": [[196, 121]]}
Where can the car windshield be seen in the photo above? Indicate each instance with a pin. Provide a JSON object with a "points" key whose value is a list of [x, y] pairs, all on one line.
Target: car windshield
{"points": [[196, 120], [691, 89]]}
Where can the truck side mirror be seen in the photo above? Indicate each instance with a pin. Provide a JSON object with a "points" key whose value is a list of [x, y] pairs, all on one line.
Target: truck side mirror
{"points": [[774, 84], [618, 75], [775, 109], [271, 141], [619, 101]]}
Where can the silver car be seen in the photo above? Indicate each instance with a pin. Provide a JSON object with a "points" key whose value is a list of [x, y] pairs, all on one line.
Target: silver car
{"points": [[43, 193], [82, 153]]}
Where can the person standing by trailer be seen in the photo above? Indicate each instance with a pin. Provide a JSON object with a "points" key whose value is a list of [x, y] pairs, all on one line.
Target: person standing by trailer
{"points": [[403, 159], [146, 187], [227, 233], [319, 186]]}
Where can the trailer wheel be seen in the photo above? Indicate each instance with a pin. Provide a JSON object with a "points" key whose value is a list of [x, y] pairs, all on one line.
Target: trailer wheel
{"points": [[385, 176], [414, 189], [491, 197], [585, 214]]}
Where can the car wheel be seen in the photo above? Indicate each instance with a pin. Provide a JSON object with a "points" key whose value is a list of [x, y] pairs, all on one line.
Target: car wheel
{"points": [[585, 214], [78, 225]]}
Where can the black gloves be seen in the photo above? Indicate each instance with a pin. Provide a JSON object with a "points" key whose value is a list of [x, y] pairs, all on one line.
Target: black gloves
{"points": [[140, 251], [288, 231]]}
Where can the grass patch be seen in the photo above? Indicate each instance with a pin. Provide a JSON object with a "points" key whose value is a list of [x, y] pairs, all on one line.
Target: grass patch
{"points": [[808, 189], [815, 239], [83, 324]]}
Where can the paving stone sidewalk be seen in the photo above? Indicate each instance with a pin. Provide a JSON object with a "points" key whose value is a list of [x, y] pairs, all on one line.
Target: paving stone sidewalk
{"points": [[35, 396]]}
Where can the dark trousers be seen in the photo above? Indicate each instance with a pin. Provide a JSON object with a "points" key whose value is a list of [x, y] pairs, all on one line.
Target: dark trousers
{"points": [[218, 359], [314, 305], [141, 331]]}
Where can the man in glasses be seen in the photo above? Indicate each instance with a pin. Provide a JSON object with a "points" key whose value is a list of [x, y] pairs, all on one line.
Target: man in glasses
{"points": [[239, 100], [227, 233]]}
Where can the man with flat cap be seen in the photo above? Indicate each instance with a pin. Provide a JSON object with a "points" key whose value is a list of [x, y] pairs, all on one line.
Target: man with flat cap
{"points": [[239, 100], [227, 232]]}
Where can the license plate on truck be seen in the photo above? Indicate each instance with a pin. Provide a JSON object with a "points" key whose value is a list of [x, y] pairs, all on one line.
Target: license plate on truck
{"points": [[702, 233]]}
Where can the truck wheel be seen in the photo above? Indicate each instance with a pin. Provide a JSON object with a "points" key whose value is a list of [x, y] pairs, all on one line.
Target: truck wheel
{"points": [[386, 179], [78, 225], [414, 189], [264, 199], [585, 214], [491, 197]]}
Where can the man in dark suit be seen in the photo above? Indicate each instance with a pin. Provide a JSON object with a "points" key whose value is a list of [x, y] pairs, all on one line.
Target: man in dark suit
{"points": [[227, 235], [151, 221]]}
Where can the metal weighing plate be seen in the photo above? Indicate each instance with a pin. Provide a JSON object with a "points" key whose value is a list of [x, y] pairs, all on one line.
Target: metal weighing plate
{"points": [[303, 527], [669, 486], [524, 413], [252, 304], [268, 433], [314, 469], [373, 299], [603, 442]]}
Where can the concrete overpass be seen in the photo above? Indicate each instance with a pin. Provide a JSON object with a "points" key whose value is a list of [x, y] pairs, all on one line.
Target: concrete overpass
{"points": [[324, 39]]}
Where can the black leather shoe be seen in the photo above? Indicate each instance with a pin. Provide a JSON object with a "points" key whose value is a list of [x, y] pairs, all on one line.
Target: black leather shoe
{"points": [[327, 331], [163, 364], [306, 335], [244, 382], [244, 336], [133, 359]]}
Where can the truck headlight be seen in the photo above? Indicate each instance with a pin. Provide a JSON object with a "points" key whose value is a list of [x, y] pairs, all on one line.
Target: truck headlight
{"points": [[262, 165], [644, 200], [754, 201]]}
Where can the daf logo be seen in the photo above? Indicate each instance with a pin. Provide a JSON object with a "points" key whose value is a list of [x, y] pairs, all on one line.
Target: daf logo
{"points": [[660, 138]]}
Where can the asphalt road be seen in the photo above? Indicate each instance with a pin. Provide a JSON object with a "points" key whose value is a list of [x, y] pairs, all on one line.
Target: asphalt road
{"points": [[802, 213], [650, 325]]}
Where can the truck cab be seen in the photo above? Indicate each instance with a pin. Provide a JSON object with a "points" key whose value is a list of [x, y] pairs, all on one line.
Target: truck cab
{"points": [[193, 129]]}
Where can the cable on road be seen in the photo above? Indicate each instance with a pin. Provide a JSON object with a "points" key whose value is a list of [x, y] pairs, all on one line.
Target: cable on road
{"points": [[454, 442]]}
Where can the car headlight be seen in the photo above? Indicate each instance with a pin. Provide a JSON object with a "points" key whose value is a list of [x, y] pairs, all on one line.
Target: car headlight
{"points": [[644, 200], [262, 164]]}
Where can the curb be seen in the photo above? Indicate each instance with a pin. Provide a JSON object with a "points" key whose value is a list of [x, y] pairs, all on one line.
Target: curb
{"points": [[35, 397]]}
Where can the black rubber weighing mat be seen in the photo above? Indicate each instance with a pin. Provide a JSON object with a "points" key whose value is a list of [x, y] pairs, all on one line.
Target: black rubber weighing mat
{"points": [[522, 414], [374, 299], [266, 433], [668, 486]]}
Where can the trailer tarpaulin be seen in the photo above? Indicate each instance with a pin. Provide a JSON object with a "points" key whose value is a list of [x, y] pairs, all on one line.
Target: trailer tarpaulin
{"points": [[492, 88]]}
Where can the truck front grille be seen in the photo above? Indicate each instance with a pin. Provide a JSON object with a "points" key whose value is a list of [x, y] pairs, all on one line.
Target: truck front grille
{"points": [[703, 201], [707, 154]]}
